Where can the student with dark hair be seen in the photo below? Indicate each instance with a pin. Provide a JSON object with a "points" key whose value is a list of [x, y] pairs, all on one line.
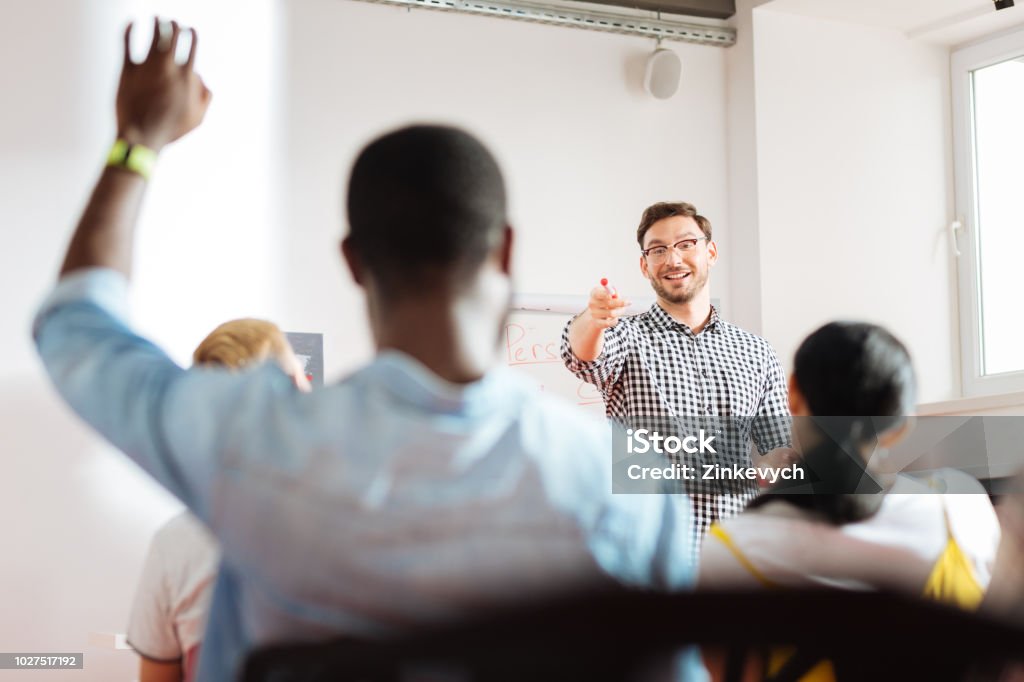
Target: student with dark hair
{"points": [[426, 486], [851, 390]]}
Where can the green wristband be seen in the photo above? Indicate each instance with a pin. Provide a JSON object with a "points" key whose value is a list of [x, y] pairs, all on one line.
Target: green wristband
{"points": [[134, 157]]}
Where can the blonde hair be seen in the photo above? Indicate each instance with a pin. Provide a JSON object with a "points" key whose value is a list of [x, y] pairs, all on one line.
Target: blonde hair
{"points": [[243, 342]]}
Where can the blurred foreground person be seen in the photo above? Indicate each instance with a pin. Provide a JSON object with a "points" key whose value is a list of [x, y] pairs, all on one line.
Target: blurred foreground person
{"points": [[1005, 596]]}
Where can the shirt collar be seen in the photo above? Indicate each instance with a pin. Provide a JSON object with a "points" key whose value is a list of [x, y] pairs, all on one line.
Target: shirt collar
{"points": [[663, 319], [412, 382]]}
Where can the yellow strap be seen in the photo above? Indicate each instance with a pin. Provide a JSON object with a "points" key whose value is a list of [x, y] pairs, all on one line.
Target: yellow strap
{"points": [[724, 538], [777, 657], [134, 157], [952, 579]]}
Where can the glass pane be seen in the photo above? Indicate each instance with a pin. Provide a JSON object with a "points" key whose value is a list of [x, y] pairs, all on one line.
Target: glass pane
{"points": [[999, 149]]}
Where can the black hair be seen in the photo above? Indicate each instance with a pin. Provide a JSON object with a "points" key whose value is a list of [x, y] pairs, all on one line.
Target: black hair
{"points": [[858, 382], [426, 204]]}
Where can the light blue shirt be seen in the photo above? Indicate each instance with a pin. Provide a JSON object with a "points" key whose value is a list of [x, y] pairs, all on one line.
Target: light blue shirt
{"points": [[388, 500]]}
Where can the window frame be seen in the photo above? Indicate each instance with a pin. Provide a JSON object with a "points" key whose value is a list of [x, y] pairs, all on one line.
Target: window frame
{"points": [[963, 61]]}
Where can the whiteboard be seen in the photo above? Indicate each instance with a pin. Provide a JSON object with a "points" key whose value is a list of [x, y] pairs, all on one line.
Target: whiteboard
{"points": [[533, 340], [532, 345]]}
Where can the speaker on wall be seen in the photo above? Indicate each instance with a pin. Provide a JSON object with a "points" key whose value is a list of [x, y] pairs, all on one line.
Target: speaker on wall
{"points": [[661, 78]]}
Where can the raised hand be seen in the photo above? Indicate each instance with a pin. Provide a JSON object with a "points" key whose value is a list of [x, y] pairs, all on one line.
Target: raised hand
{"points": [[160, 100], [604, 308]]}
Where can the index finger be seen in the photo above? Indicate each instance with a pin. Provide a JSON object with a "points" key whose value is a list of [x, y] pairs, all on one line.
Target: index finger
{"points": [[600, 296], [154, 46], [175, 32], [128, 44], [190, 62], [599, 293]]}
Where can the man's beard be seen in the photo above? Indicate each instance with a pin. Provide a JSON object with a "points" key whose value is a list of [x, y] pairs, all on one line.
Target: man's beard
{"points": [[684, 295]]}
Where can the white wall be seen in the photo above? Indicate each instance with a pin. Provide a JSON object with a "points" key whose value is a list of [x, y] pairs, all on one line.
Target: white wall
{"points": [[77, 535], [583, 147], [854, 187], [744, 239], [244, 216]]}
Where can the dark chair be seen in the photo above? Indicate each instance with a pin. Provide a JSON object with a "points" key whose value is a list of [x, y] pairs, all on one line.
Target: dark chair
{"points": [[627, 635]]}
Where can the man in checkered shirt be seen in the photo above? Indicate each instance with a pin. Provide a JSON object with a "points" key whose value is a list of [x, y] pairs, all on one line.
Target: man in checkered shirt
{"points": [[680, 361]]}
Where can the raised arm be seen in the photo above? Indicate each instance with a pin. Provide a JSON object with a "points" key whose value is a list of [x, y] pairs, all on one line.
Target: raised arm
{"points": [[158, 101], [118, 382]]}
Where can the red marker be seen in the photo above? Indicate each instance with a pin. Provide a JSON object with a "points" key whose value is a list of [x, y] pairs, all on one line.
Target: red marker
{"points": [[610, 290]]}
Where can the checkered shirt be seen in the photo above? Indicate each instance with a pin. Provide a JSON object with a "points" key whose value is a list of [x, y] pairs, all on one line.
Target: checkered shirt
{"points": [[653, 366]]}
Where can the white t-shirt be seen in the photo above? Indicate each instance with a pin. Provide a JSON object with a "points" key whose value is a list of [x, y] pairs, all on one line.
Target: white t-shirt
{"points": [[171, 604], [896, 548]]}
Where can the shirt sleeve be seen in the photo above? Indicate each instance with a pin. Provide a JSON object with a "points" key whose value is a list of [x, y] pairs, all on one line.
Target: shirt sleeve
{"points": [[674, 565], [773, 423], [639, 539], [606, 368], [151, 627], [720, 569], [172, 422], [648, 536]]}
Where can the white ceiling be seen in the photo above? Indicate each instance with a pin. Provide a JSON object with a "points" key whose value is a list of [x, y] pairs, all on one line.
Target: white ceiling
{"points": [[944, 22]]}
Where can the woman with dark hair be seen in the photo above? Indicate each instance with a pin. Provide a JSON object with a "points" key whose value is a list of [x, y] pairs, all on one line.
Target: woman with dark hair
{"points": [[846, 525], [853, 387]]}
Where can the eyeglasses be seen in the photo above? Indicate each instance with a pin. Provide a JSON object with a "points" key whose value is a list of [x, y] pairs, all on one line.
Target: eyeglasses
{"points": [[657, 254]]}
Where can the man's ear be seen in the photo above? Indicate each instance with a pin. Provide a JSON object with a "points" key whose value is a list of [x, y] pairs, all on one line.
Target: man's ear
{"points": [[505, 250], [712, 252], [350, 255], [797, 402], [643, 267]]}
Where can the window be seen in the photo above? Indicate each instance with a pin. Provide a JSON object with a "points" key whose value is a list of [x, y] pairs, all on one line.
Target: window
{"points": [[988, 120]]}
